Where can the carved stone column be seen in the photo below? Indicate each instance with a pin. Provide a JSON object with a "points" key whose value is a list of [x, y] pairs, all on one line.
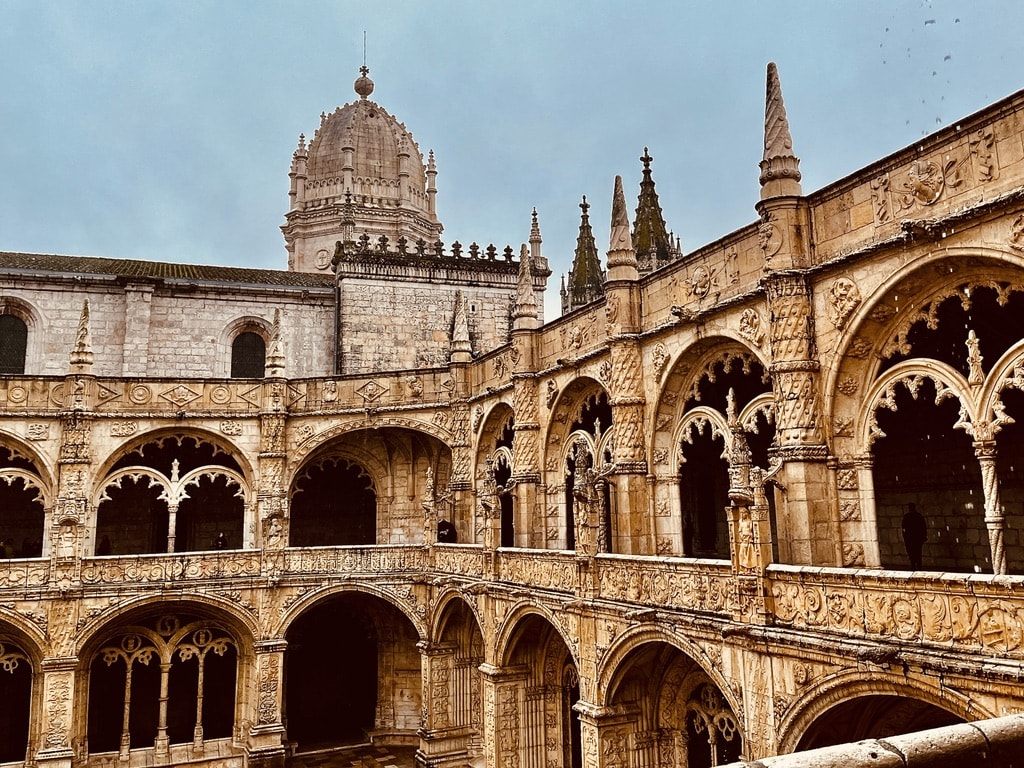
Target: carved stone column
{"points": [[444, 740], [986, 452], [808, 528], [504, 697], [57, 729], [271, 498], [608, 736], [525, 444], [67, 523], [265, 744]]}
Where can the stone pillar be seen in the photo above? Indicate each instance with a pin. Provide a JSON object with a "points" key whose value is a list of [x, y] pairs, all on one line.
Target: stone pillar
{"points": [[57, 728], [986, 452], [608, 736], [271, 498], [807, 526], [444, 737], [71, 511], [265, 745], [504, 695]]}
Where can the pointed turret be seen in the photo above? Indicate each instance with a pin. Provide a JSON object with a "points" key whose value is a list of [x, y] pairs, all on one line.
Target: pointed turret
{"points": [[81, 354], [275, 351], [622, 261], [780, 168], [524, 312], [462, 349], [586, 278], [654, 248]]}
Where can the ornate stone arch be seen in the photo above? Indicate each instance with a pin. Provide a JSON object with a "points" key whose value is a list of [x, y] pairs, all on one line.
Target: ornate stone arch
{"points": [[19, 447], [304, 448], [880, 322], [610, 666], [506, 633], [497, 420], [834, 689], [306, 601], [440, 611], [162, 434], [911, 374]]}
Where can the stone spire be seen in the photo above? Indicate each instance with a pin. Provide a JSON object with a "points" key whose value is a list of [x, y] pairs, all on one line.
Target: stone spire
{"points": [[462, 350], [653, 246], [81, 354], [586, 278], [275, 353], [524, 311], [780, 168], [622, 261], [535, 238]]}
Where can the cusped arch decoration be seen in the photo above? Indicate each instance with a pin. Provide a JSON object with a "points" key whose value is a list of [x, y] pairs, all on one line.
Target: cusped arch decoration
{"points": [[309, 599], [20, 449], [818, 698], [566, 410], [498, 420], [909, 295], [234, 616], [160, 436], [910, 375], [682, 384]]}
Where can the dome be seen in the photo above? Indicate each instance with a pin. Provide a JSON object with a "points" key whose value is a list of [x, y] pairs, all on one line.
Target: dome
{"points": [[376, 139], [362, 174]]}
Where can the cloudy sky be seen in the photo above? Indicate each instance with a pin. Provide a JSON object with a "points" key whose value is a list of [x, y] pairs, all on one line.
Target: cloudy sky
{"points": [[164, 131]]}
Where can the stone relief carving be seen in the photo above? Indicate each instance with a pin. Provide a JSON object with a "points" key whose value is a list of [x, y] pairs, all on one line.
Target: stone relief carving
{"points": [[659, 359], [983, 148], [750, 327], [38, 431], [123, 428], [231, 428], [843, 299]]}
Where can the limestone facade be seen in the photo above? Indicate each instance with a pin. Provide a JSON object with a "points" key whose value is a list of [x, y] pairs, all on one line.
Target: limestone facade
{"points": [[675, 526]]}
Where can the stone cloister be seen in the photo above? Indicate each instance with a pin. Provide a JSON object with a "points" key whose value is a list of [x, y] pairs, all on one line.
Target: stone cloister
{"points": [[767, 496]]}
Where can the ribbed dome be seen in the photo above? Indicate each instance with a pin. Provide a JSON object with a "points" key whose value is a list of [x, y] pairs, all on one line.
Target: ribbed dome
{"points": [[376, 139]]}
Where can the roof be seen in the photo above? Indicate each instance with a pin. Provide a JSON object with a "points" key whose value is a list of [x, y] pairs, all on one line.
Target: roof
{"points": [[158, 270]]}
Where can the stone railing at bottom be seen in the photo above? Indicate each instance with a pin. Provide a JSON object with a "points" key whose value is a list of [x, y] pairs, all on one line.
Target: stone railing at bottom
{"points": [[995, 743]]}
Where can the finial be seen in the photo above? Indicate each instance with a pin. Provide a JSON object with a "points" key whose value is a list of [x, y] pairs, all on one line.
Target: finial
{"points": [[275, 353], [364, 85], [622, 264], [780, 168], [524, 311], [585, 205], [81, 354], [462, 350], [646, 160]]}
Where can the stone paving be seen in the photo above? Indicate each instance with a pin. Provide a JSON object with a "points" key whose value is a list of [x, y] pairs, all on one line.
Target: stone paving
{"points": [[359, 756]]}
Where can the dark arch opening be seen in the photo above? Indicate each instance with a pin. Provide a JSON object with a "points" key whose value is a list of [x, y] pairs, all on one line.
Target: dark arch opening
{"points": [[704, 495], [13, 345], [133, 519], [214, 507], [248, 356], [16, 695], [874, 717], [334, 504], [925, 468], [332, 666]]}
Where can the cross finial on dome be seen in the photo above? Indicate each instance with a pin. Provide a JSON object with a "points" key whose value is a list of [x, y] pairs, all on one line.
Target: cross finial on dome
{"points": [[364, 85]]}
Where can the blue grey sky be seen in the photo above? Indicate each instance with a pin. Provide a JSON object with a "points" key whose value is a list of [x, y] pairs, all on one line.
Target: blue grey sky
{"points": [[164, 131]]}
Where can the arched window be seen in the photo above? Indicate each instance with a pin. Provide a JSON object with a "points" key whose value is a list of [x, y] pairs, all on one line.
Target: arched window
{"points": [[248, 356], [13, 343]]}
